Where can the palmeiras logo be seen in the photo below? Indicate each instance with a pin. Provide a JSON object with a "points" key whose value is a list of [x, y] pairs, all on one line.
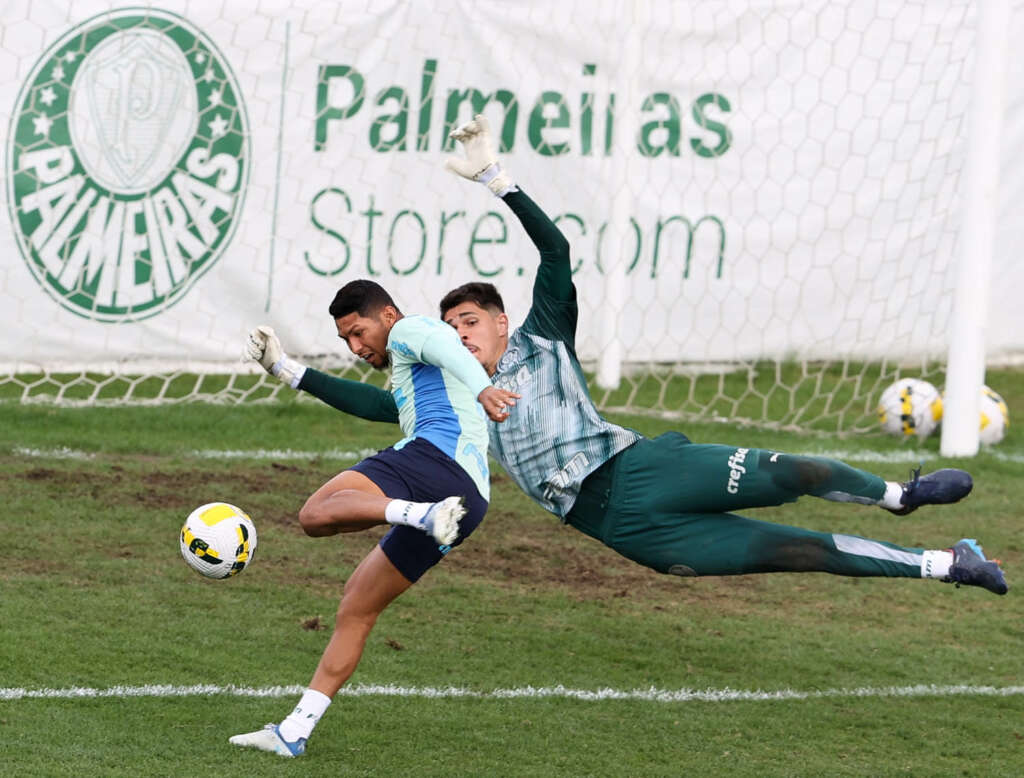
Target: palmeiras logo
{"points": [[127, 163]]}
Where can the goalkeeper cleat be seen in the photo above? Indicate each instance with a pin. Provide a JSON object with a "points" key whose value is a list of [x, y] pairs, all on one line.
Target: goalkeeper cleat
{"points": [[269, 739], [972, 569], [939, 488], [442, 520]]}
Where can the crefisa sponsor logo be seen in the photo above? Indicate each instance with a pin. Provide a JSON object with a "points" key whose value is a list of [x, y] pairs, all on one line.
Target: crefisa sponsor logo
{"points": [[736, 469], [127, 163]]}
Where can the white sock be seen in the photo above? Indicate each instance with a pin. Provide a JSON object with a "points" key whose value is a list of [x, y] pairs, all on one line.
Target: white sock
{"points": [[936, 564], [307, 713], [893, 497], [405, 512]]}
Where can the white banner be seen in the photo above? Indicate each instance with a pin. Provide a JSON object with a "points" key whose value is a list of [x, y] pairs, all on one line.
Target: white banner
{"points": [[178, 173]]}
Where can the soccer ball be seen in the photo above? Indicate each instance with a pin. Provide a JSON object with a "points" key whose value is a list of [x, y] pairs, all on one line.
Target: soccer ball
{"points": [[995, 417], [909, 407], [218, 540]]}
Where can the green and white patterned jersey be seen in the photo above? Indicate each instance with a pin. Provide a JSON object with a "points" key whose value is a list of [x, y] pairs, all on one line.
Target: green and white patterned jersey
{"points": [[554, 437]]}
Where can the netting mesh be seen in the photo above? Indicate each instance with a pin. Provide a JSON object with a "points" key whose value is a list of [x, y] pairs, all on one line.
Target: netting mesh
{"points": [[761, 197]]}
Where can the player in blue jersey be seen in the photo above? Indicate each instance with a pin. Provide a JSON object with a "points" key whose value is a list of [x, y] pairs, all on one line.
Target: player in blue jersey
{"points": [[432, 486]]}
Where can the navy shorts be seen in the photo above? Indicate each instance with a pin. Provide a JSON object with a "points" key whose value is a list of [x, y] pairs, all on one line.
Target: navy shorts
{"points": [[421, 472]]}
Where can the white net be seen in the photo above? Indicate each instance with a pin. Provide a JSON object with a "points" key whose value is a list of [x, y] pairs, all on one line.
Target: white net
{"points": [[761, 197]]}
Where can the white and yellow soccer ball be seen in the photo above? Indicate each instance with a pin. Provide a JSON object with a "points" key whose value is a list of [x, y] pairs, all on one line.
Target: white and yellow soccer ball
{"points": [[911, 407], [218, 540], [995, 417]]}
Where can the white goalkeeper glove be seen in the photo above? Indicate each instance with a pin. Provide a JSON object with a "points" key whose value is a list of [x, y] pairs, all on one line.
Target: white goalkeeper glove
{"points": [[480, 163], [263, 346]]}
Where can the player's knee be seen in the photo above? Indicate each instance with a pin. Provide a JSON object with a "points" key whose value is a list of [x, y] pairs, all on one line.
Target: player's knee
{"points": [[809, 475], [311, 519]]}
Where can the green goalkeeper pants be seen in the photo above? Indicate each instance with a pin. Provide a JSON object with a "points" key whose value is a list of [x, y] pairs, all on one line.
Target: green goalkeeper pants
{"points": [[667, 504]]}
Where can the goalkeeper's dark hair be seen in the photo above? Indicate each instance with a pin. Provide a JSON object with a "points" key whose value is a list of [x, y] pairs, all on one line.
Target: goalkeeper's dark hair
{"points": [[477, 292], [366, 298]]}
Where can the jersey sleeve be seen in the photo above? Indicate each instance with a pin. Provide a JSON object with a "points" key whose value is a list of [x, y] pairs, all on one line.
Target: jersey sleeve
{"points": [[353, 397], [433, 342], [554, 311]]}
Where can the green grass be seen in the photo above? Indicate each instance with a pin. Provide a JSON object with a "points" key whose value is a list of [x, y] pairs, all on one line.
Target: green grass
{"points": [[94, 594]]}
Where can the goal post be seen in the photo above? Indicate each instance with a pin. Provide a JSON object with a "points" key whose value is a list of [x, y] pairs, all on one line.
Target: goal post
{"points": [[966, 361], [765, 201]]}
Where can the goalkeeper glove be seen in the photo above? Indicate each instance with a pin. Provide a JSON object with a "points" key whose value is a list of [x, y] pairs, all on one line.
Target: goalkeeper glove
{"points": [[480, 163], [263, 346]]}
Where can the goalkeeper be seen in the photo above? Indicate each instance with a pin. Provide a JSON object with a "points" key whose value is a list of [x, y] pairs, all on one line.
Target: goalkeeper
{"points": [[666, 503]]}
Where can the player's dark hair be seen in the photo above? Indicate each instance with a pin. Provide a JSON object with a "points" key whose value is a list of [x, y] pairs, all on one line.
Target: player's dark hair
{"points": [[477, 292], [364, 297]]}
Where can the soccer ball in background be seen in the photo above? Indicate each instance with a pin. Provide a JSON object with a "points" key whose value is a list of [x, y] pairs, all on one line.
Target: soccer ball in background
{"points": [[995, 417], [910, 407], [218, 540]]}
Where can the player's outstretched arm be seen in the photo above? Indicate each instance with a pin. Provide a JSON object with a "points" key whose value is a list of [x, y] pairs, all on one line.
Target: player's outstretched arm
{"points": [[481, 164], [352, 397]]}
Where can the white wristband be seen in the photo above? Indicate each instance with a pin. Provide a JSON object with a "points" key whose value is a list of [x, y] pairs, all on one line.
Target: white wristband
{"points": [[497, 180], [289, 371]]}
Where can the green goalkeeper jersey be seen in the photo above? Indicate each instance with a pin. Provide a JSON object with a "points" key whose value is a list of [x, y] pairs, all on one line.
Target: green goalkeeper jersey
{"points": [[554, 437]]}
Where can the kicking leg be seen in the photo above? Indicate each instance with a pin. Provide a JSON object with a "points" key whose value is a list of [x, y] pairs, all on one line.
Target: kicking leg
{"points": [[350, 502]]}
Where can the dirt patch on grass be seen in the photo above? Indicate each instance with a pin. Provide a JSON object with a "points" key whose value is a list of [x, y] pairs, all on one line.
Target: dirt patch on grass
{"points": [[518, 545], [154, 484]]}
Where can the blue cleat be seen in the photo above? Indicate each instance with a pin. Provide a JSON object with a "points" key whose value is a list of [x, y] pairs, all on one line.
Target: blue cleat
{"points": [[939, 488], [972, 569], [269, 739]]}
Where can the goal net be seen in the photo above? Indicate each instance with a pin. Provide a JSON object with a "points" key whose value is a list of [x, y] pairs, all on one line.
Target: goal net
{"points": [[761, 197]]}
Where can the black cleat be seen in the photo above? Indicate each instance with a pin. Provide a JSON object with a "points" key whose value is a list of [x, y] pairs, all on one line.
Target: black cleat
{"points": [[972, 569], [939, 488]]}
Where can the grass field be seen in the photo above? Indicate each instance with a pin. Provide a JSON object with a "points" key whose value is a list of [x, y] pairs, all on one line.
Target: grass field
{"points": [[94, 596]]}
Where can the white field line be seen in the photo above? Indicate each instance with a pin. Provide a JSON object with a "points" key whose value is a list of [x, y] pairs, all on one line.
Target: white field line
{"points": [[286, 454], [909, 456], [333, 453], [525, 692]]}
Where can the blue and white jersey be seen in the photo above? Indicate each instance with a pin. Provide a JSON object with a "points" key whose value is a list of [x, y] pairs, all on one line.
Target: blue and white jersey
{"points": [[435, 382]]}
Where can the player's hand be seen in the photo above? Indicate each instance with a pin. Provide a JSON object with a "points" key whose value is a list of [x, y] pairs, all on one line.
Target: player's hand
{"points": [[263, 346], [480, 163], [497, 402]]}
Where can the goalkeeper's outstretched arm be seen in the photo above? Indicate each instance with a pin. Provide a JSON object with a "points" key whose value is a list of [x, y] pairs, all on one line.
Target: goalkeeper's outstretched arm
{"points": [[353, 397], [481, 164], [555, 273]]}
